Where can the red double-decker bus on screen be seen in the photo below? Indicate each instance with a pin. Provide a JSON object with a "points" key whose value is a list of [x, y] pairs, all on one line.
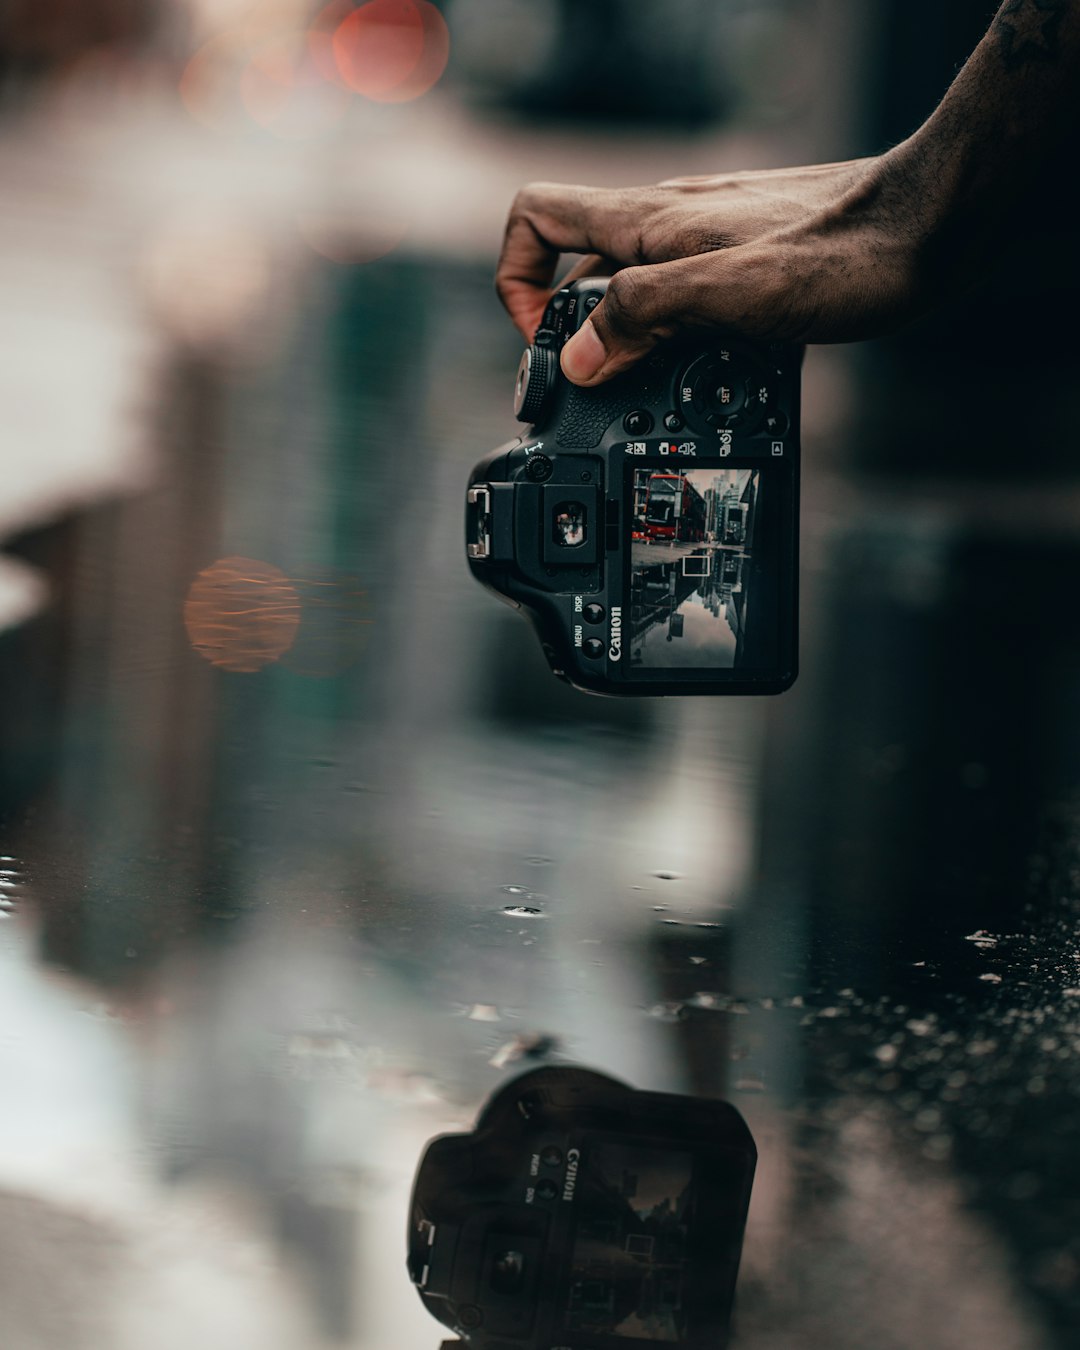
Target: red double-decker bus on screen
{"points": [[674, 509]]}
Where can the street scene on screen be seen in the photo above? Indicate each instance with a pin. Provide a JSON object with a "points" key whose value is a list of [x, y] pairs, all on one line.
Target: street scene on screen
{"points": [[693, 567]]}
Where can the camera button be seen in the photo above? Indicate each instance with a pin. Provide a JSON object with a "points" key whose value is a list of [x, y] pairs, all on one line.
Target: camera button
{"points": [[729, 395], [592, 647], [539, 468], [776, 424], [591, 302], [546, 1190], [673, 422], [469, 1315], [637, 423], [552, 1156], [592, 613], [544, 337]]}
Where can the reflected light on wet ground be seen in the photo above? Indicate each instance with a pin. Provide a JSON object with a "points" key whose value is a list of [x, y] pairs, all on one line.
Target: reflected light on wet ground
{"points": [[241, 614]]}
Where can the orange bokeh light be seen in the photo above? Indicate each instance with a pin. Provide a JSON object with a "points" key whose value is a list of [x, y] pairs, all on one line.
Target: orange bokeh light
{"points": [[241, 614], [391, 51]]}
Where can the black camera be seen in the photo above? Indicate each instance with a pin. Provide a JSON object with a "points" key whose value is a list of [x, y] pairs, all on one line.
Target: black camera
{"points": [[581, 1214], [649, 526]]}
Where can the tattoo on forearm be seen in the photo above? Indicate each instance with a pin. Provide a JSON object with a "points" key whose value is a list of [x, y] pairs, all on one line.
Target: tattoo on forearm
{"points": [[1028, 30]]}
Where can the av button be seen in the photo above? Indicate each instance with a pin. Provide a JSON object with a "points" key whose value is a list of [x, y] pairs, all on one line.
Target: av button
{"points": [[592, 647], [593, 613]]}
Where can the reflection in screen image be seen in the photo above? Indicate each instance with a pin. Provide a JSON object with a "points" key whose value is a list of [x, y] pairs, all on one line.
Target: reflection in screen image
{"points": [[631, 1243], [702, 572]]}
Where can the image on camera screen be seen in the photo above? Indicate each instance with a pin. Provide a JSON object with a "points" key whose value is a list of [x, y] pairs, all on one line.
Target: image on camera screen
{"points": [[703, 569], [630, 1263]]}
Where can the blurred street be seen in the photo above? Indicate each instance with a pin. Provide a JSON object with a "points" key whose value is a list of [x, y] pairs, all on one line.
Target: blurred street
{"points": [[302, 849]]}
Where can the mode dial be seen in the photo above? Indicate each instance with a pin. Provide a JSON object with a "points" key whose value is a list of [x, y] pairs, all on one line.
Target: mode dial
{"points": [[534, 379]]}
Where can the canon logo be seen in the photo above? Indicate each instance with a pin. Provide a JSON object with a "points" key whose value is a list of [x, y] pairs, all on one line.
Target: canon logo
{"points": [[572, 1158], [615, 645]]}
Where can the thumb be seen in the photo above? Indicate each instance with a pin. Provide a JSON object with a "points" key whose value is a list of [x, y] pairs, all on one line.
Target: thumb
{"points": [[732, 289], [638, 309]]}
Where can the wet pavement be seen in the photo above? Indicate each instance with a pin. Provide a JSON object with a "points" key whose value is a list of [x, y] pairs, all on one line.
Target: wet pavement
{"points": [[305, 853]]}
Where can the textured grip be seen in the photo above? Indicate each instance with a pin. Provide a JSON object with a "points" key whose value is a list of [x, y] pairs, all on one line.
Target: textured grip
{"points": [[587, 413]]}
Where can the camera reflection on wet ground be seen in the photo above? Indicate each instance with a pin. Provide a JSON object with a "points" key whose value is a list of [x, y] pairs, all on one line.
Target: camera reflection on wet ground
{"points": [[304, 853]]}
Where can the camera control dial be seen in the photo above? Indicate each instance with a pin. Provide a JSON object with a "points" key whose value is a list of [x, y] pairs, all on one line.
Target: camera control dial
{"points": [[534, 379], [723, 388]]}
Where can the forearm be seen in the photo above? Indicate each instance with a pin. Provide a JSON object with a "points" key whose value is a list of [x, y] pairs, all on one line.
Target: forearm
{"points": [[1009, 119]]}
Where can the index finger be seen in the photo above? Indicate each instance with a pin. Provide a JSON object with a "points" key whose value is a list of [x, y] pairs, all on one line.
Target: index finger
{"points": [[546, 220]]}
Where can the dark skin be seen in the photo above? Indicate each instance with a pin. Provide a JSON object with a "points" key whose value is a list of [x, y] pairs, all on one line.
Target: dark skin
{"points": [[827, 253]]}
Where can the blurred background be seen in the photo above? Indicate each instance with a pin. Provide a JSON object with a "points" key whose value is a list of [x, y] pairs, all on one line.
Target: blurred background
{"points": [[303, 852]]}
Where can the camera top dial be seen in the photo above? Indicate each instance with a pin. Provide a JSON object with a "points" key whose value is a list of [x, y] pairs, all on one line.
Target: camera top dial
{"points": [[535, 376]]}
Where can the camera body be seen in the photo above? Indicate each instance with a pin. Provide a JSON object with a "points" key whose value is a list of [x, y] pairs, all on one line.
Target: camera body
{"points": [[649, 526], [581, 1214]]}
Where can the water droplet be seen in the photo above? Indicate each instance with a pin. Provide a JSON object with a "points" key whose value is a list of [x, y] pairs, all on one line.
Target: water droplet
{"points": [[990, 979], [514, 890], [668, 876], [538, 860], [886, 1054], [483, 1012], [524, 912], [667, 1012], [698, 960], [659, 909]]}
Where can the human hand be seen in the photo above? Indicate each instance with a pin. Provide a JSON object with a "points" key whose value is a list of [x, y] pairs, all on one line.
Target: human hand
{"points": [[829, 253]]}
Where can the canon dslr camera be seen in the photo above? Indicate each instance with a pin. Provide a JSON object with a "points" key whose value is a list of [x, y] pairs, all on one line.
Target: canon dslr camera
{"points": [[649, 526], [583, 1215]]}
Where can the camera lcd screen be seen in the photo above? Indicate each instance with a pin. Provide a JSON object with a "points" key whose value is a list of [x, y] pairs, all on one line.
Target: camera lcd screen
{"points": [[630, 1266], [704, 563]]}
